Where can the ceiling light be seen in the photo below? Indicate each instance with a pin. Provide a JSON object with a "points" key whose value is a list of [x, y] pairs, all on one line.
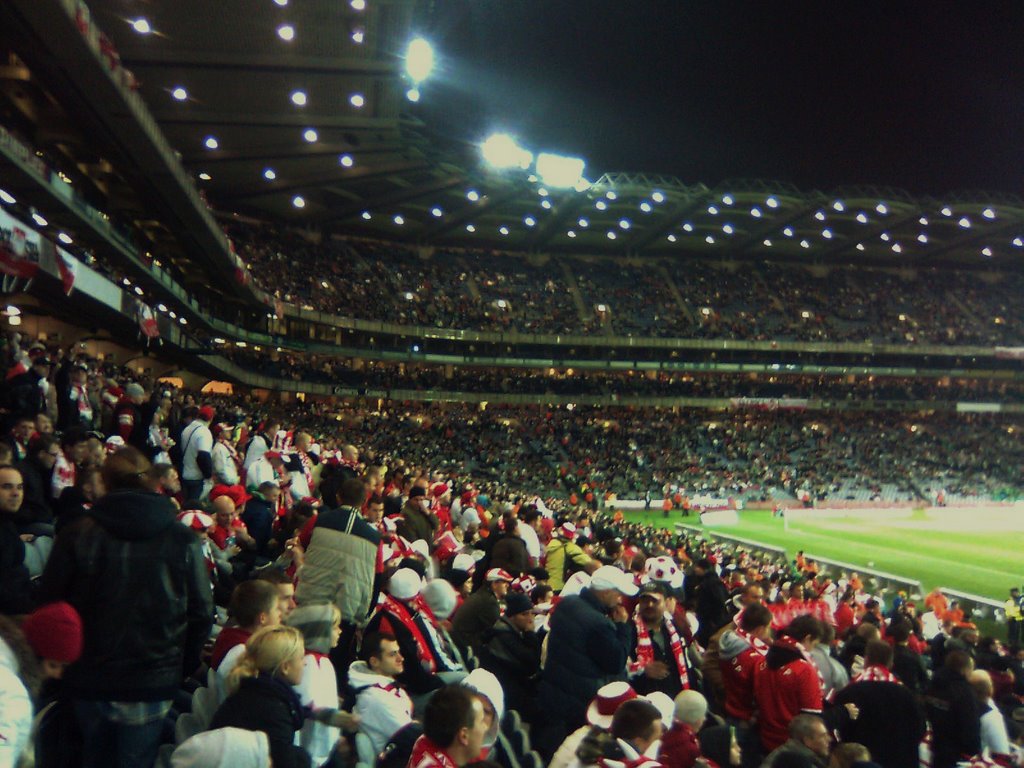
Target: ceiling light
{"points": [[366, 215], [570, 233], [672, 238], [436, 212], [645, 207], [299, 98], [269, 174], [804, 244], [838, 206], [788, 231], [310, 135], [545, 204], [727, 199], [965, 222], [286, 32], [204, 176], [624, 223], [419, 60], [688, 227], [470, 228], [709, 240], [862, 217], [347, 161], [771, 202], [503, 230], [281, 3], [827, 234], [922, 238], [357, 100], [885, 236], [988, 213], [601, 205], [755, 212], [820, 215], [727, 229], [860, 246], [530, 221], [712, 210], [658, 197], [211, 142], [897, 248], [946, 211], [472, 195], [65, 238], [413, 95], [882, 208], [179, 94], [399, 220], [768, 243], [298, 201], [38, 219], [357, 36], [923, 221], [6, 197], [358, 5], [986, 251], [583, 223], [612, 235], [1018, 242], [610, 194], [142, 26]]}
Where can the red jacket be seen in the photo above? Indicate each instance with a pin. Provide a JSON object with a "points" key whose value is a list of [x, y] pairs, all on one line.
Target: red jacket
{"points": [[228, 638], [785, 684], [738, 681], [679, 747]]}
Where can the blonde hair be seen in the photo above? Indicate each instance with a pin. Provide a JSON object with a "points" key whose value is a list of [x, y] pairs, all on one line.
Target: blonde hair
{"points": [[265, 652]]}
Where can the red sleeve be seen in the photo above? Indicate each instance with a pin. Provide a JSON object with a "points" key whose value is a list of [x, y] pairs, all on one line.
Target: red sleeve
{"points": [[125, 422], [809, 689], [307, 532]]}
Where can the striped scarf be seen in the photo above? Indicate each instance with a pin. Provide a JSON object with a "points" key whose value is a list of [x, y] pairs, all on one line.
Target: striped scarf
{"points": [[876, 673], [789, 642], [645, 648], [759, 645], [404, 617]]}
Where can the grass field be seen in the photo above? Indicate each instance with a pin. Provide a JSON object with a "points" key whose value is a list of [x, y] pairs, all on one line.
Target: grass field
{"points": [[976, 551]]}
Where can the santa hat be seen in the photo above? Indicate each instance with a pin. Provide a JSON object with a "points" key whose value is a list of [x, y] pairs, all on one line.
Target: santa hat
{"points": [[55, 632], [437, 490]]}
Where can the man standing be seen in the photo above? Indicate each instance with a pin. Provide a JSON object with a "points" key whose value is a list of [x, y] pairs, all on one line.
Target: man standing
{"points": [[481, 610], [417, 523], [953, 712], [140, 582], [564, 557], [1014, 617], [712, 596], [196, 457], [658, 657], [511, 651], [588, 646]]}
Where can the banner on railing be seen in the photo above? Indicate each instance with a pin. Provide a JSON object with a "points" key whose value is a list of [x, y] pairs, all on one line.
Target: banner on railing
{"points": [[19, 248], [1010, 353], [770, 403]]}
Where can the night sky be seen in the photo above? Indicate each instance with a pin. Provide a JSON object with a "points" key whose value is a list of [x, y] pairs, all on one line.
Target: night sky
{"points": [[925, 96]]}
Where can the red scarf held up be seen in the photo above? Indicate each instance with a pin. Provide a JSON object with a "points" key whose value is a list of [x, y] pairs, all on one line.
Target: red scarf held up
{"points": [[645, 648], [876, 673], [426, 754], [403, 615]]}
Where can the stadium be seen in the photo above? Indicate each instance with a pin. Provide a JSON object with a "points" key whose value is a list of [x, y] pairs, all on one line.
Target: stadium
{"points": [[252, 252]]}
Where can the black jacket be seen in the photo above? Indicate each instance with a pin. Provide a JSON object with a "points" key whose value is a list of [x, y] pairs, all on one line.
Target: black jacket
{"points": [[15, 586], [955, 718], [269, 705], [891, 722], [712, 612], [909, 668], [514, 658], [139, 580], [36, 506]]}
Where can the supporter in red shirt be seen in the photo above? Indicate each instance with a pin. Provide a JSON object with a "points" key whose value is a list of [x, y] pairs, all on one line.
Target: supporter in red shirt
{"points": [[741, 652]]}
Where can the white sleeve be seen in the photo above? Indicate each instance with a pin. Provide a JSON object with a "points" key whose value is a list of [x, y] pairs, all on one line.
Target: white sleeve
{"points": [[382, 714], [204, 440]]}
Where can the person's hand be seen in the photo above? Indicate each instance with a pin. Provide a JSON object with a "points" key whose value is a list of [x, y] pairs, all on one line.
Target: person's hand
{"points": [[656, 670], [347, 721], [619, 614], [233, 551], [28, 538], [852, 710], [735, 754]]}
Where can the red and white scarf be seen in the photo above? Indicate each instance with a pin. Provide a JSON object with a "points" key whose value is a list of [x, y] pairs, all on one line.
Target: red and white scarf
{"points": [[645, 648], [404, 616], [80, 397], [307, 468], [876, 673], [788, 642], [759, 645], [426, 754]]}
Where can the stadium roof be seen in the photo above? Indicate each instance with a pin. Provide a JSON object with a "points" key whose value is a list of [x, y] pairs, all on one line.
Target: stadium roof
{"points": [[298, 112]]}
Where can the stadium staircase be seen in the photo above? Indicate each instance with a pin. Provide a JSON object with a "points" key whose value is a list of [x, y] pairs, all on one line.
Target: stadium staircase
{"points": [[676, 295], [574, 291]]}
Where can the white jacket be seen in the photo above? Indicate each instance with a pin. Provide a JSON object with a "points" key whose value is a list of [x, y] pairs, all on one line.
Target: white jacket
{"points": [[383, 711], [318, 690], [15, 710]]}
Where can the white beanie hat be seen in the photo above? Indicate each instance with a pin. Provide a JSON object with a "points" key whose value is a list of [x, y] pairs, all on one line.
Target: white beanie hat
{"points": [[486, 684], [223, 748], [405, 584], [440, 597], [464, 562]]}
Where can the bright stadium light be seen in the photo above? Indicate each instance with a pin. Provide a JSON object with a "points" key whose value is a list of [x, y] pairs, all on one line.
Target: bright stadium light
{"points": [[658, 197], [501, 151], [672, 238], [771, 202], [688, 227], [1018, 242], [755, 212], [862, 217], [986, 251], [965, 222], [988, 213], [558, 170], [838, 206], [419, 60]]}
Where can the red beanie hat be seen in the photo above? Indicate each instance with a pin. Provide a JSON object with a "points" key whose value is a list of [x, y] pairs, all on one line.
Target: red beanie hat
{"points": [[55, 632]]}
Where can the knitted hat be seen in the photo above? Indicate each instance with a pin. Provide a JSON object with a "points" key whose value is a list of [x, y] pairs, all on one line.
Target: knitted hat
{"points": [[464, 562], [499, 574], [517, 602], [55, 632], [316, 623], [440, 597], [567, 531], [196, 520], [223, 748], [405, 584], [135, 390], [486, 684]]}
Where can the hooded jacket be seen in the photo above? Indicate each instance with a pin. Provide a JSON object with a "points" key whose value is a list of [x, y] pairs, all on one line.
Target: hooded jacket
{"points": [[15, 709], [382, 704], [738, 661], [785, 685], [139, 580]]}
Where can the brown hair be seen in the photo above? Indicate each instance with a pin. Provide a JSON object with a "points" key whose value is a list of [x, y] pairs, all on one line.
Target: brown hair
{"points": [[127, 469]]}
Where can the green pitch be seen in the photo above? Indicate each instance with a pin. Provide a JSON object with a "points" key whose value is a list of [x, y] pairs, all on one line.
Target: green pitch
{"points": [[974, 551]]}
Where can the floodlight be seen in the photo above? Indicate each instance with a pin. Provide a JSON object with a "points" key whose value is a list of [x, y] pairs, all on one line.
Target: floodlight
{"points": [[298, 201], [862, 217], [671, 238], [7, 197], [771, 202], [419, 60], [560, 171], [986, 251], [179, 94], [501, 151], [988, 213], [1018, 242], [658, 197], [965, 222]]}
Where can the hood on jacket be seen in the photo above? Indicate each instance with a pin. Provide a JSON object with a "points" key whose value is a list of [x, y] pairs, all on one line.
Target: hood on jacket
{"points": [[134, 515], [779, 656], [361, 676], [223, 748], [486, 684], [731, 645]]}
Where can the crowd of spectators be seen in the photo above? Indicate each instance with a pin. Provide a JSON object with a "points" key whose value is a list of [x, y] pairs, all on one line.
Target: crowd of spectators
{"points": [[761, 301], [382, 375]]}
